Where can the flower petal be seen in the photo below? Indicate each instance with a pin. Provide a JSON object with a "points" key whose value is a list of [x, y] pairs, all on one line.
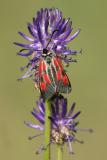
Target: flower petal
{"points": [[38, 116], [30, 52], [71, 110], [29, 124], [75, 115], [64, 108], [72, 36], [26, 37]]}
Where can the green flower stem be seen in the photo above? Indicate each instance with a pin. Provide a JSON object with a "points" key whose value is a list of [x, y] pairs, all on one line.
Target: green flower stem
{"points": [[47, 129], [60, 152]]}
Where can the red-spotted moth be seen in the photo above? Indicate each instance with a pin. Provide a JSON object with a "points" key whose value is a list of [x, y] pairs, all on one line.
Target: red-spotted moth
{"points": [[52, 76]]}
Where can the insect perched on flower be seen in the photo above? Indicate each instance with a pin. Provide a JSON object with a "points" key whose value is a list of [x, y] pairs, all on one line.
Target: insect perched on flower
{"points": [[63, 124], [50, 35]]}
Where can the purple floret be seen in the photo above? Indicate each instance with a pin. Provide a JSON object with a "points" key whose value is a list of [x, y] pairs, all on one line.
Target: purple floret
{"points": [[63, 124], [50, 31]]}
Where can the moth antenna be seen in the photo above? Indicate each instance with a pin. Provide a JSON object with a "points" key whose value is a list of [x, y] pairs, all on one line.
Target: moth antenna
{"points": [[23, 50], [27, 49], [56, 30]]}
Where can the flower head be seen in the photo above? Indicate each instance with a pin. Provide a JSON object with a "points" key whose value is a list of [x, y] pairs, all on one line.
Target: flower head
{"points": [[63, 124], [50, 32]]}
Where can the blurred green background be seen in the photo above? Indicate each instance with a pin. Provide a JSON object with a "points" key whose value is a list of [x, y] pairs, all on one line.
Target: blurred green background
{"points": [[88, 78]]}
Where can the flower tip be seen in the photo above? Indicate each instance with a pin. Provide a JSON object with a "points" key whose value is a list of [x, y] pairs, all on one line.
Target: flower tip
{"points": [[25, 122], [15, 43], [18, 53], [22, 68], [79, 112], [32, 111], [20, 33], [19, 79], [28, 24], [29, 138], [71, 152], [91, 130], [81, 51], [81, 142], [37, 152], [79, 29]]}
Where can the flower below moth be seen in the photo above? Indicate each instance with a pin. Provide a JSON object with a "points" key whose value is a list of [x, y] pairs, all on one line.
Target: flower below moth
{"points": [[63, 124], [50, 34]]}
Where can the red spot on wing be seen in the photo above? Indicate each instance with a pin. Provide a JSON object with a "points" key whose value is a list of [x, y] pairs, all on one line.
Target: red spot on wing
{"points": [[43, 86], [65, 80], [59, 75], [46, 78], [40, 66], [59, 63], [59, 68], [56, 62]]}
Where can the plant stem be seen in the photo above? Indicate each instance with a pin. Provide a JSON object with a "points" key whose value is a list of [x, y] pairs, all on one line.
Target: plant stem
{"points": [[60, 151], [47, 129]]}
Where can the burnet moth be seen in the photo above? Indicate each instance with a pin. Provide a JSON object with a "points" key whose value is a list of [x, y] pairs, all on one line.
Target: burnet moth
{"points": [[52, 78]]}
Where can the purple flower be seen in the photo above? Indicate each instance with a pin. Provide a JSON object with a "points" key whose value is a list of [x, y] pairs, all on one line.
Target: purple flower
{"points": [[63, 124], [50, 32]]}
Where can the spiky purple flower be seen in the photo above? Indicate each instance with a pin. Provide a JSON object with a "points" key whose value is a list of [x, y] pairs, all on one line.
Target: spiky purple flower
{"points": [[50, 32], [63, 124]]}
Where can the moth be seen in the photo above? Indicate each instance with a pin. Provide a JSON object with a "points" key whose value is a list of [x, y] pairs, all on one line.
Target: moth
{"points": [[52, 78]]}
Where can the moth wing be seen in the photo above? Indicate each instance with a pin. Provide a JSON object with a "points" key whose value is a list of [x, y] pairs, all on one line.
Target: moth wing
{"points": [[46, 80], [61, 79]]}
